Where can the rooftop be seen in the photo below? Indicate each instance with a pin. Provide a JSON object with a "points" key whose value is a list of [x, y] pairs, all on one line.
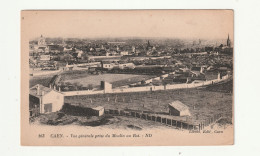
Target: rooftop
{"points": [[178, 105], [42, 89], [98, 108]]}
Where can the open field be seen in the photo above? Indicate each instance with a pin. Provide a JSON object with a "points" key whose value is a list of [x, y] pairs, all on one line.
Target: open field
{"points": [[211, 75], [115, 79], [203, 103], [75, 74], [128, 81], [43, 80], [225, 87]]}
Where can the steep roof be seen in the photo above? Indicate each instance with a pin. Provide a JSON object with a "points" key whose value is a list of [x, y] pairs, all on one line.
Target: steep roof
{"points": [[178, 105], [43, 89]]}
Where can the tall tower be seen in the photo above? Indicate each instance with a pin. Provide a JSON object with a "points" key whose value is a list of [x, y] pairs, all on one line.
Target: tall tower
{"points": [[228, 42], [148, 44], [41, 41]]}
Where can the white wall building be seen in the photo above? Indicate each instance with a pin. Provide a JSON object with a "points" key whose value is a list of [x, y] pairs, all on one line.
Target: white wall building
{"points": [[46, 99], [126, 65]]}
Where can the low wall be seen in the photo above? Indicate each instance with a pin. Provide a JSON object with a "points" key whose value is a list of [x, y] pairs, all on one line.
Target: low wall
{"points": [[146, 88], [82, 92], [41, 73]]}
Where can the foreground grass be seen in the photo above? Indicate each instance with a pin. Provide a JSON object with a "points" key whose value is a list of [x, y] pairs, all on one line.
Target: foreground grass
{"points": [[203, 103]]}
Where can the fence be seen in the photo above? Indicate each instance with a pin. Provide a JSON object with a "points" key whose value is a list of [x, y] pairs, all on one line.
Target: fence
{"points": [[166, 120]]}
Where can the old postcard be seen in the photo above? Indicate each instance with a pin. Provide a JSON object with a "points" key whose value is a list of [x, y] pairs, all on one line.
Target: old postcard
{"points": [[127, 77]]}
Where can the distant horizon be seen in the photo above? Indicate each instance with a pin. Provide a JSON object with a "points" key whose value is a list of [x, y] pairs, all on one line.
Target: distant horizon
{"points": [[172, 24], [130, 37]]}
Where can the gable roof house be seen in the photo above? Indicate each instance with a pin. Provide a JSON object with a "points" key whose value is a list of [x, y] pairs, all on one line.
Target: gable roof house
{"points": [[44, 100]]}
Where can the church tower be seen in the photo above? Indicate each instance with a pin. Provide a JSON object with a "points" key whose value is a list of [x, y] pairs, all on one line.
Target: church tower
{"points": [[228, 42], [149, 47], [41, 41], [148, 44]]}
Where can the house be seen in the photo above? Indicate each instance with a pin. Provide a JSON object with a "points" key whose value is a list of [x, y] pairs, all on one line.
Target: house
{"points": [[122, 53], [41, 49], [107, 65], [79, 53], [45, 57], [98, 111], [177, 108], [126, 66], [44, 100]]}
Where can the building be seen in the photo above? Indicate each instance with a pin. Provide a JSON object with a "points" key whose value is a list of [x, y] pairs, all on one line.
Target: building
{"points": [[177, 108], [41, 45], [41, 41], [126, 66], [122, 53], [107, 87], [107, 65], [45, 57], [149, 46], [228, 42], [44, 100], [227, 49], [98, 111]]}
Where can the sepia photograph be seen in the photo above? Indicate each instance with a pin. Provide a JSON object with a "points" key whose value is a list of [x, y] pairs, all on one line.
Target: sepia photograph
{"points": [[127, 77]]}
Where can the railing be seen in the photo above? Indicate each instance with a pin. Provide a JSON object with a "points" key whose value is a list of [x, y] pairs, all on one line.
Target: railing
{"points": [[168, 121]]}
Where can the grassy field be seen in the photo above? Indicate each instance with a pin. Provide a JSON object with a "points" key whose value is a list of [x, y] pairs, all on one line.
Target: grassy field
{"points": [[203, 103], [43, 80], [128, 81], [69, 75], [115, 79]]}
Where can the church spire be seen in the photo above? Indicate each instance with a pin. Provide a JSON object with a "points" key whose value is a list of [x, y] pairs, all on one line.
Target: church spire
{"points": [[228, 41], [148, 43]]}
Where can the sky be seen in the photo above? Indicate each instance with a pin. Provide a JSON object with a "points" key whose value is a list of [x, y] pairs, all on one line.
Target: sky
{"points": [[184, 24]]}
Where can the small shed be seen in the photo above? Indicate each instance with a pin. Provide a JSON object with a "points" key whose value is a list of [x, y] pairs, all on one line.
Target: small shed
{"points": [[98, 111], [177, 108]]}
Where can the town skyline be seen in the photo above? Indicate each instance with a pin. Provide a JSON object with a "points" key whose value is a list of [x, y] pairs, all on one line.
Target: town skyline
{"points": [[203, 24]]}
